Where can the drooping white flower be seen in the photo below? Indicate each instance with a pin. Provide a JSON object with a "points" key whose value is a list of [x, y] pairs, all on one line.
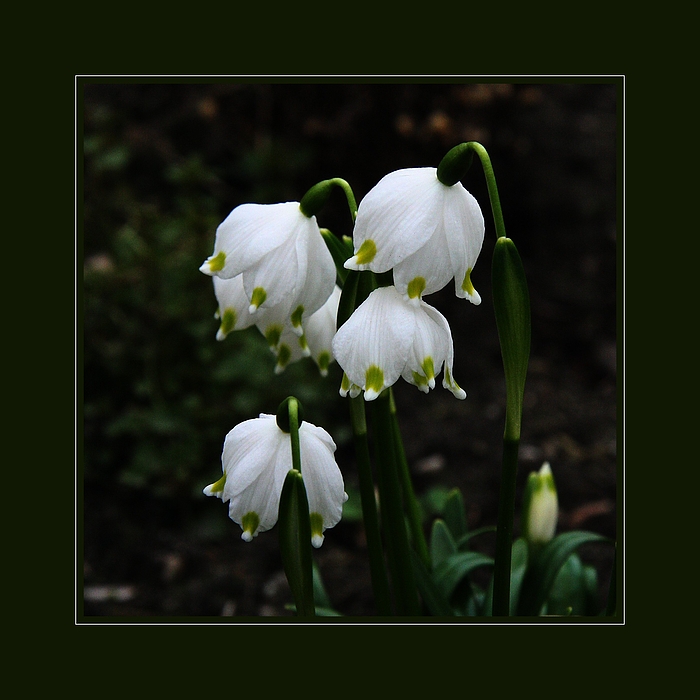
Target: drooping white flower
{"points": [[281, 257], [427, 232], [256, 458], [388, 337]]}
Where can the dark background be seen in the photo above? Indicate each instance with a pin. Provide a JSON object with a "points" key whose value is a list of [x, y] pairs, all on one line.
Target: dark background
{"points": [[162, 163]]}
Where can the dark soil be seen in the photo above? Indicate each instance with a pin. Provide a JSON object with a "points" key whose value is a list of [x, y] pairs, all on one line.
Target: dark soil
{"points": [[554, 149]]}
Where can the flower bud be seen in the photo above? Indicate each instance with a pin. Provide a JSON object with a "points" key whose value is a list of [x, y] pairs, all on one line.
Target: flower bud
{"points": [[540, 507]]}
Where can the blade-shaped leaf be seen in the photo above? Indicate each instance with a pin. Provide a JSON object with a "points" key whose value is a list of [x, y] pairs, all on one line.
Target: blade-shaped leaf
{"points": [[449, 574], [434, 600], [295, 541], [442, 545], [543, 570], [455, 514]]}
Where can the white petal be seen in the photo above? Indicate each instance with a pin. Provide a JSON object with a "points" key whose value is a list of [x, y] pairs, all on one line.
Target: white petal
{"points": [[319, 280], [322, 478], [431, 264], [233, 305], [464, 229], [252, 231], [378, 334], [250, 458], [279, 274], [319, 330], [432, 344], [448, 380], [400, 213]]}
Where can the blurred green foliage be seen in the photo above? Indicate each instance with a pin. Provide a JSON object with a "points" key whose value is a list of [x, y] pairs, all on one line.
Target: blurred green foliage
{"points": [[160, 392]]}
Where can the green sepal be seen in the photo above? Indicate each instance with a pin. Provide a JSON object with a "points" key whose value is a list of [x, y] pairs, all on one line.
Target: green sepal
{"points": [[340, 251], [295, 542], [316, 197], [544, 568], [453, 167], [511, 302]]}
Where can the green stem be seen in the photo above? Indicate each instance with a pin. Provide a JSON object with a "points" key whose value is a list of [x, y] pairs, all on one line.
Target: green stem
{"points": [[293, 408], [393, 519], [380, 582], [492, 187], [349, 195], [413, 511], [504, 530]]}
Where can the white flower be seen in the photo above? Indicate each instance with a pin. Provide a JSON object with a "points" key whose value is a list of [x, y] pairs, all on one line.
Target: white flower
{"points": [[256, 458], [281, 256], [315, 341], [388, 337], [427, 232], [540, 507]]}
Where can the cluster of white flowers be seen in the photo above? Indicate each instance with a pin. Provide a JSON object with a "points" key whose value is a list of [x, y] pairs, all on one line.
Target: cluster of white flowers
{"points": [[272, 269]]}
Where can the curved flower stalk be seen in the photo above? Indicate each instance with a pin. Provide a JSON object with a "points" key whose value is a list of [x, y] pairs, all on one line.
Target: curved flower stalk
{"points": [[428, 232], [281, 257], [256, 458], [388, 337]]}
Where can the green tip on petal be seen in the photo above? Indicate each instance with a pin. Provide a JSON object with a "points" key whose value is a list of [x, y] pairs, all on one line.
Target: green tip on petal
{"points": [[228, 323], [284, 354], [250, 523], [296, 318], [272, 335], [316, 529], [215, 489], [323, 361], [415, 287], [421, 382], [214, 264], [449, 383], [468, 288], [364, 256], [257, 299], [374, 382]]}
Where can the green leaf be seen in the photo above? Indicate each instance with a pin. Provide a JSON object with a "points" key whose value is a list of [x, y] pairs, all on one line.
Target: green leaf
{"points": [[320, 594], [295, 541], [455, 514], [340, 252], [450, 573], [511, 304], [442, 545], [545, 565], [518, 568], [437, 604]]}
